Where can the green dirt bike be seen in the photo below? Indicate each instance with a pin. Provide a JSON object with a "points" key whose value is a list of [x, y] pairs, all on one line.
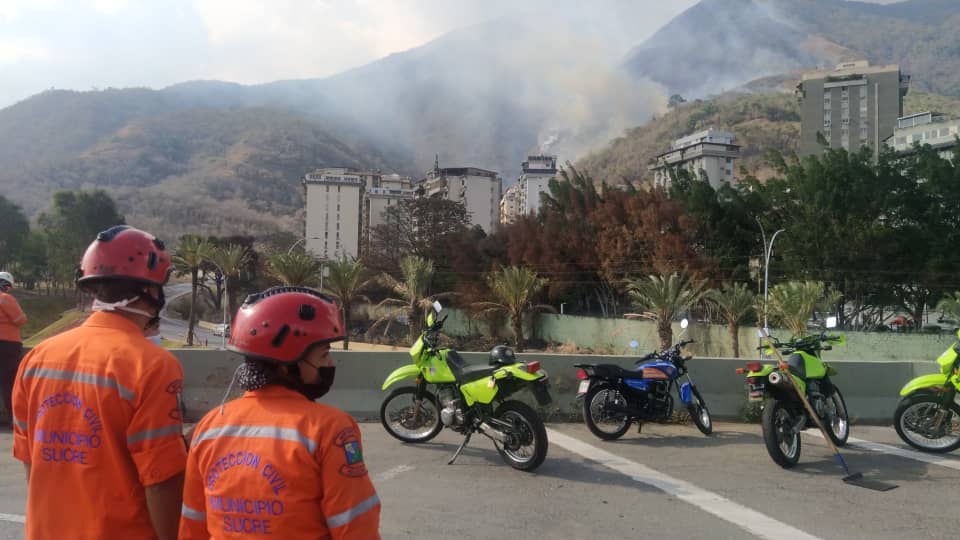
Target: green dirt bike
{"points": [[465, 397], [784, 415], [928, 415]]}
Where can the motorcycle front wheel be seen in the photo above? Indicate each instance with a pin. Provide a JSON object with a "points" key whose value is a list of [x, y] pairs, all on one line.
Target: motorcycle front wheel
{"points": [[700, 414], [407, 420], [780, 433], [526, 445], [600, 421], [923, 423]]}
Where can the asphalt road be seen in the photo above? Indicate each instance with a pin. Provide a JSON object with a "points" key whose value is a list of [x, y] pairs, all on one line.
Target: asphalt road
{"points": [[668, 482], [176, 329]]}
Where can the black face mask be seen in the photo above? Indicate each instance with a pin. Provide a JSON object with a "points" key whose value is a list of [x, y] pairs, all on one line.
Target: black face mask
{"points": [[317, 390]]}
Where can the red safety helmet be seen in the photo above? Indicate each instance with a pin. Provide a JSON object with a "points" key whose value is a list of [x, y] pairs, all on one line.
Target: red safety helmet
{"points": [[122, 252], [281, 323]]}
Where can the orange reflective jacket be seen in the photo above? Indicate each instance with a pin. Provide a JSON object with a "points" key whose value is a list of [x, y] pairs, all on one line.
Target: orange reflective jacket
{"points": [[11, 318], [97, 414], [276, 464]]}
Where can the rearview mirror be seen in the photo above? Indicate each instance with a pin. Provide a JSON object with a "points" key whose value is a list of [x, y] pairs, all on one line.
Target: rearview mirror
{"points": [[436, 306], [684, 323]]}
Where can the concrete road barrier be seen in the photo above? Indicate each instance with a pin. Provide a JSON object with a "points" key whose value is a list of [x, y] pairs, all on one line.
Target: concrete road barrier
{"points": [[870, 388]]}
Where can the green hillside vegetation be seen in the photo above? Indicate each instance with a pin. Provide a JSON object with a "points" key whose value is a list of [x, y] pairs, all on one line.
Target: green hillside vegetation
{"points": [[760, 122]]}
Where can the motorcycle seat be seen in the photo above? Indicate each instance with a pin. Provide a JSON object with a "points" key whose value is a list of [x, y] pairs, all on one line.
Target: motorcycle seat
{"points": [[613, 371], [465, 373]]}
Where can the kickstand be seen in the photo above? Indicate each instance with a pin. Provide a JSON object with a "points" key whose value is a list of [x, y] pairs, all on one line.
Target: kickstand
{"points": [[462, 446], [639, 427]]}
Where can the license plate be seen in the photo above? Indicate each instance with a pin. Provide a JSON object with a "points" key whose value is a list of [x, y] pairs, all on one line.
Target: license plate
{"points": [[755, 391], [584, 386]]}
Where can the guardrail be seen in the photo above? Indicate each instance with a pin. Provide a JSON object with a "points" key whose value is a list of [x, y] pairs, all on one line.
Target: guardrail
{"points": [[869, 388]]}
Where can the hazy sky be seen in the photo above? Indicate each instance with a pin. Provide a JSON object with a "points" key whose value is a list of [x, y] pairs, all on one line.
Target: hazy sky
{"points": [[84, 44]]}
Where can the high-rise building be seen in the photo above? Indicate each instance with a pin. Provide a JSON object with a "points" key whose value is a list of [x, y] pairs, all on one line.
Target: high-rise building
{"points": [[709, 152], [343, 204], [510, 204], [852, 106], [524, 197], [478, 189]]}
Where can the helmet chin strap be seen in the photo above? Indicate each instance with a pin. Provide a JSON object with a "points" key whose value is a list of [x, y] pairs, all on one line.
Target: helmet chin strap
{"points": [[122, 306]]}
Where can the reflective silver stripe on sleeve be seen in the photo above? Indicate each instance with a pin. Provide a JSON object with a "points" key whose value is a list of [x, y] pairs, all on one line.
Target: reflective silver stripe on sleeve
{"points": [[20, 318], [20, 424], [343, 518], [190, 513], [74, 376], [155, 433], [257, 432]]}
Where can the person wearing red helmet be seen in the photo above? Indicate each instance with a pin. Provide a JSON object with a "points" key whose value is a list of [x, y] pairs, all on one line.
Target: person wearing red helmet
{"points": [[274, 462], [98, 417], [11, 348]]}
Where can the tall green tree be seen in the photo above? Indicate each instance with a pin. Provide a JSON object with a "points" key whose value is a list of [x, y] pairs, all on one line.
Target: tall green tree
{"points": [[661, 299], [421, 226], [71, 223], [296, 268], [14, 229], [187, 259], [344, 281], [735, 301], [514, 290]]}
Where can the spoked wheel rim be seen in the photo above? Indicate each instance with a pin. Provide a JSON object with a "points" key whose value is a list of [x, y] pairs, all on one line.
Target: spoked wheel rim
{"points": [[606, 421], [839, 423], [405, 419], [787, 439], [523, 445], [917, 424]]}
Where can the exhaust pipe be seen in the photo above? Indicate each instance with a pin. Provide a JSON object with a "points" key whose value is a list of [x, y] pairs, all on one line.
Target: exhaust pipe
{"points": [[776, 379], [492, 432]]}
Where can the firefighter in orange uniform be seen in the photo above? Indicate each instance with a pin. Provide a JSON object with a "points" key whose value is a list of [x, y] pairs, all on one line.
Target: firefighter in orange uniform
{"points": [[273, 462], [97, 409], [11, 319]]}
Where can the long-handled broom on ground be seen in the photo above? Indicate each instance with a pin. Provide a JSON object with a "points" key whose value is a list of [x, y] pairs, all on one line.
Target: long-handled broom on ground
{"points": [[856, 478]]}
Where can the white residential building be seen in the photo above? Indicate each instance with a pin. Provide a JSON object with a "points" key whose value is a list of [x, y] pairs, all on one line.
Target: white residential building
{"points": [[342, 204], [478, 189], [929, 128], [537, 173], [710, 152]]}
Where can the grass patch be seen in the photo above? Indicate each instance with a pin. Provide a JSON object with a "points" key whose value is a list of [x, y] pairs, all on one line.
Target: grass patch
{"points": [[42, 311], [67, 320]]}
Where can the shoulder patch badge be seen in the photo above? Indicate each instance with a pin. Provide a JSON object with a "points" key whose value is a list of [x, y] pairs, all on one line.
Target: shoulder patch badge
{"points": [[349, 441]]}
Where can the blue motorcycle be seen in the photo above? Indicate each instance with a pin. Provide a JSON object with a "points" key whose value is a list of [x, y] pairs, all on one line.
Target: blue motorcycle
{"points": [[614, 398]]}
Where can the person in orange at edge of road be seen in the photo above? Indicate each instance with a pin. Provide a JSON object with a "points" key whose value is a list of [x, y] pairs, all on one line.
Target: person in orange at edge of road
{"points": [[11, 348], [98, 416], [273, 462]]}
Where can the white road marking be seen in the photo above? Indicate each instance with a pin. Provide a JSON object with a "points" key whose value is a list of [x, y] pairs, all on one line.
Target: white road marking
{"points": [[392, 473], [895, 451], [752, 521], [15, 518]]}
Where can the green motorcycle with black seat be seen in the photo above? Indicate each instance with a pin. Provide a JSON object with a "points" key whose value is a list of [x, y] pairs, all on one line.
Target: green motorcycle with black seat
{"points": [[467, 399], [928, 414], [784, 415]]}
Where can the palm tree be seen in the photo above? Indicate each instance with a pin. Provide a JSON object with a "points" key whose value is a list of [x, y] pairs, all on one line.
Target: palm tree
{"points": [[189, 256], [662, 298], [735, 302], [411, 293], [345, 281], [513, 288], [794, 302], [231, 260], [296, 268]]}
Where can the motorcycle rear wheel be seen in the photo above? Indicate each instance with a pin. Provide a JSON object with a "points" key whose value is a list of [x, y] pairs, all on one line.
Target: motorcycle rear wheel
{"points": [[605, 425], [528, 447], [914, 411], [783, 445], [401, 420]]}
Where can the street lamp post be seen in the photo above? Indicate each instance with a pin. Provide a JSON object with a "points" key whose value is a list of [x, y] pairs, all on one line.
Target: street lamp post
{"points": [[767, 251], [289, 251]]}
